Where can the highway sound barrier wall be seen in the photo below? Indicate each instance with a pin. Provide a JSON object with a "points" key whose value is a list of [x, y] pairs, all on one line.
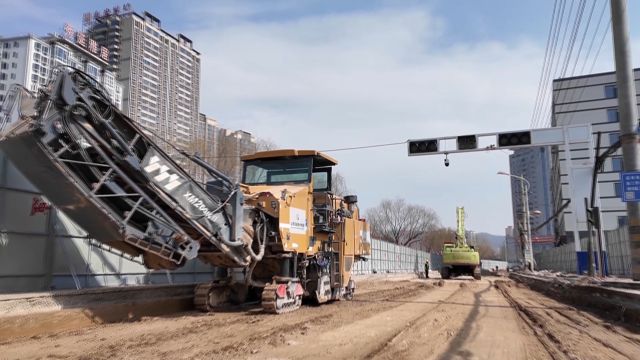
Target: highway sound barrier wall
{"points": [[387, 257]]}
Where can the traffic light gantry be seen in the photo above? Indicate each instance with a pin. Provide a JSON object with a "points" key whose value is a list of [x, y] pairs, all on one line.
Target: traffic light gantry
{"points": [[499, 140]]}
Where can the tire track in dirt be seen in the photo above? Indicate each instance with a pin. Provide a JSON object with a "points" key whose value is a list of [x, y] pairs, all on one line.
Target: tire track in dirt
{"points": [[593, 328], [233, 332], [552, 345], [566, 332], [359, 336], [325, 318], [386, 344], [462, 327]]}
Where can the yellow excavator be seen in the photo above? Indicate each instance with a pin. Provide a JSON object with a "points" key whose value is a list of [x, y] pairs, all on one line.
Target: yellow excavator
{"points": [[280, 235], [459, 258]]}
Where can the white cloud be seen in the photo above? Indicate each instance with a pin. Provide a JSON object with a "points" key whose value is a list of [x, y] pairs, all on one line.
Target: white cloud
{"points": [[358, 78]]}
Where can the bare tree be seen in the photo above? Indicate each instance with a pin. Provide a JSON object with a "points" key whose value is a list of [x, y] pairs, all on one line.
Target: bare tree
{"points": [[485, 249], [401, 223], [434, 240], [339, 184], [266, 144]]}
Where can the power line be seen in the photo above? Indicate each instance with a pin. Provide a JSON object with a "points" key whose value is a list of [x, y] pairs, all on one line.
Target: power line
{"points": [[325, 150], [582, 82], [545, 61], [543, 105], [577, 57], [545, 121], [573, 37], [365, 146], [554, 43]]}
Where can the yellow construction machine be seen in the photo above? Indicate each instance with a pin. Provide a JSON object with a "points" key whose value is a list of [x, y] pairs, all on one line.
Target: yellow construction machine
{"points": [[460, 258], [280, 235]]}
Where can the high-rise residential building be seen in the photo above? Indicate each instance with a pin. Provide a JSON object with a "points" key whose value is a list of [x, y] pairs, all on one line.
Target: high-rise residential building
{"points": [[235, 144], [160, 73], [28, 60], [535, 166], [222, 147], [589, 99]]}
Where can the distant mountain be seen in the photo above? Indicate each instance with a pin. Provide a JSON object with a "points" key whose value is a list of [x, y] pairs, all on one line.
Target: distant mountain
{"points": [[496, 241]]}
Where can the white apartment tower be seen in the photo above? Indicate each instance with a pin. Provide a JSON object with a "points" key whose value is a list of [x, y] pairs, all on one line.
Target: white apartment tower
{"points": [[160, 74], [28, 60], [589, 99]]}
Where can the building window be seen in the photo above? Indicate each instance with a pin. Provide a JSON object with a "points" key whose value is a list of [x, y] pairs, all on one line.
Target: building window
{"points": [[37, 46], [3, 76], [1, 87], [62, 54], [5, 55], [92, 70], [614, 138], [612, 115], [622, 221], [34, 78], [16, 44], [13, 76], [616, 164], [14, 65], [1, 97], [15, 54], [610, 91], [617, 188], [4, 66]]}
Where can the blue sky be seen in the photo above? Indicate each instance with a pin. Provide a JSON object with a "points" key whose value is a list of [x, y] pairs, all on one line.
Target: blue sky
{"points": [[331, 74], [467, 20]]}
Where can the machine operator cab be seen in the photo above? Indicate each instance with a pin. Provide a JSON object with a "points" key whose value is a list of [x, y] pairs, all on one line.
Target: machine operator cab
{"points": [[281, 167], [306, 175]]}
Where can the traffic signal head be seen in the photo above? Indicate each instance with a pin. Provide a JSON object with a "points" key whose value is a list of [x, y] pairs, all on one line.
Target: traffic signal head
{"points": [[423, 146], [467, 142], [513, 139]]}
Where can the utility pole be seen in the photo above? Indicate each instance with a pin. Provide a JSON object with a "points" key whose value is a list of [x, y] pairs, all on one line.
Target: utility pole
{"points": [[528, 252], [590, 242], [628, 119]]}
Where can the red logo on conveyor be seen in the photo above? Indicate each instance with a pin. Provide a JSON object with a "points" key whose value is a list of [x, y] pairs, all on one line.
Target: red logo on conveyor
{"points": [[39, 206]]}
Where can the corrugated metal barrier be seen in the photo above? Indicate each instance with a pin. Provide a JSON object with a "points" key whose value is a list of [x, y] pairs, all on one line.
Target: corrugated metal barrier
{"points": [[564, 258], [391, 258]]}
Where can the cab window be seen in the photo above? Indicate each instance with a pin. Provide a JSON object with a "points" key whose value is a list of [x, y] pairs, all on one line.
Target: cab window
{"points": [[281, 171], [322, 179]]}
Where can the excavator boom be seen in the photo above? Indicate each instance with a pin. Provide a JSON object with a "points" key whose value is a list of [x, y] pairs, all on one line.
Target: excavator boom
{"points": [[461, 239]]}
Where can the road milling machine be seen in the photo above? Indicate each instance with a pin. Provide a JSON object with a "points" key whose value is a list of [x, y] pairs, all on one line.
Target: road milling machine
{"points": [[459, 258], [281, 234]]}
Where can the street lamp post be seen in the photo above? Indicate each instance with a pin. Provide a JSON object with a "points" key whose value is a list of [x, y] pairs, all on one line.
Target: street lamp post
{"points": [[524, 187]]}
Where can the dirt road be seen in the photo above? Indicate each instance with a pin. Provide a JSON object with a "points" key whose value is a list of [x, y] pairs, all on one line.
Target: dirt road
{"points": [[388, 319]]}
